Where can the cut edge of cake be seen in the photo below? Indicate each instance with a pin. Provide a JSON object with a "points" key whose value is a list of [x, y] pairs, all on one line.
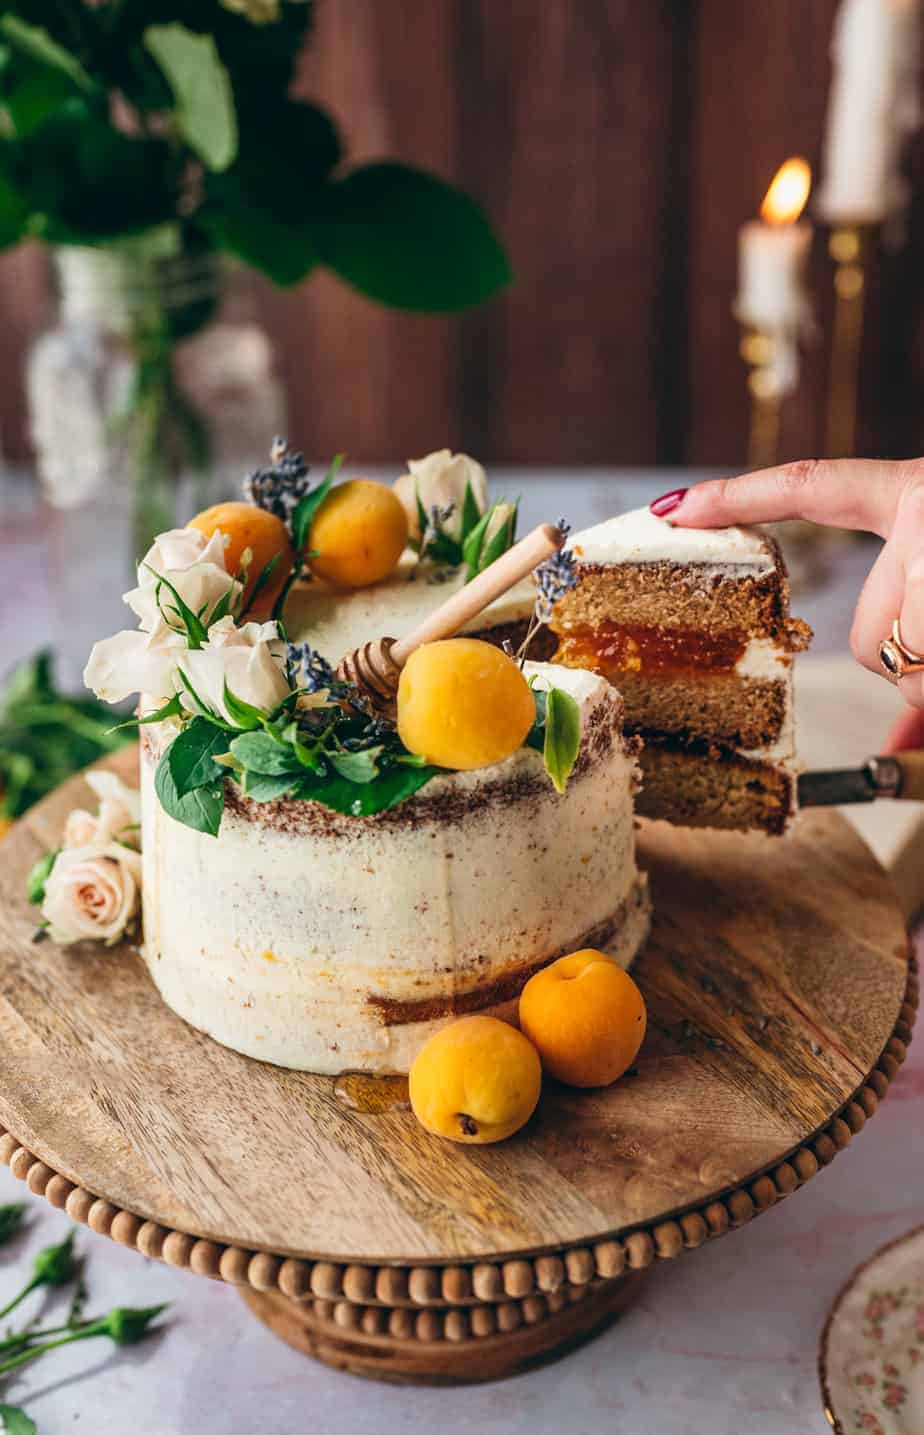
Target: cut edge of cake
{"points": [[694, 629]]}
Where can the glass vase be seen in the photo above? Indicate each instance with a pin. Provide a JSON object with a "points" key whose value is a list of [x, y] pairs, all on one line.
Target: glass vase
{"points": [[152, 392]]}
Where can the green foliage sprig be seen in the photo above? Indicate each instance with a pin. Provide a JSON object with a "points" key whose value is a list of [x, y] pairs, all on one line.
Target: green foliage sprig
{"points": [[44, 736], [121, 118], [556, 733], [472, 547]]}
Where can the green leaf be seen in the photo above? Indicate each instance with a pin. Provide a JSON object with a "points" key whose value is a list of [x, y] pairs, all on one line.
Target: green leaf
{"points": [[562, 736], [242, 714], [11, 1219], [14, 1421], [260, 209], [196, 631], [260, 752], [363, 799], [358, 767], [204, 113], [35, 42], [172, 708], [407, 239], [263, 577], [307, 507], [190, 756], [38, 876], [14, 207], [470, 515], [266, 787], [200, 809]]}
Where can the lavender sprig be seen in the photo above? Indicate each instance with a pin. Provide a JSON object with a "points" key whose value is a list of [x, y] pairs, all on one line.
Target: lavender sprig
{"points": [[279, 488], [555, 577], [310, 671]]}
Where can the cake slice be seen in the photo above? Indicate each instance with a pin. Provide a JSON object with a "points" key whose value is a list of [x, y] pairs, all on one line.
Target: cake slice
{"points": [[693, 627]]}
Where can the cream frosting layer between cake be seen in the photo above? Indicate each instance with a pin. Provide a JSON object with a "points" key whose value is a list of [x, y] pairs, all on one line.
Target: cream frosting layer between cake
{"points": [[331, 943], [639, 537]]}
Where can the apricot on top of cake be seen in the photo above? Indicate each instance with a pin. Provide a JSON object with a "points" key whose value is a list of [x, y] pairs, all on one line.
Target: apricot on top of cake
{"points": [[358, 534], [477, 1081], [462, 703], [266, 536], [585, 1016]]}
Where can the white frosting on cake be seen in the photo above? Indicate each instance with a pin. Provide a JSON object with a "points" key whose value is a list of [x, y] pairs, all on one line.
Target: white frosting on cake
{"points": [[640, 537], [335, 622], [288, 935]]}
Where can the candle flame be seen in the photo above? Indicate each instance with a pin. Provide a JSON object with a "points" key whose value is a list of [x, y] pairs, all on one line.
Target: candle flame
{"points": [[787, 196]]}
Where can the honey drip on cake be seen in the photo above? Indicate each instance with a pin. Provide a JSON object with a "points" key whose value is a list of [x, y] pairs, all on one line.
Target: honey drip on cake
{"points": [[612, 648], [371, 1095]]}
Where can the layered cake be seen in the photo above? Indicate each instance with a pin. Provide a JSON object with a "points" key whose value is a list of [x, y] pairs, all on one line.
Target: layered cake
{"points": [[693, 627], [329, 942], [325, 885]]}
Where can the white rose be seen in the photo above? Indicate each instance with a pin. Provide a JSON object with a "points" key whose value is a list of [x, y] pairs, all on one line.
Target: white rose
{"points": [[92, 893], [250, 659], [440, 480], [194, 565], [136, 662], [116, 821]]}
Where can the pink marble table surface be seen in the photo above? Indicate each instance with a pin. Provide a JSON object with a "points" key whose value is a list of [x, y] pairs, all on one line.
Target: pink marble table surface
{"points": [[722, 1342]]}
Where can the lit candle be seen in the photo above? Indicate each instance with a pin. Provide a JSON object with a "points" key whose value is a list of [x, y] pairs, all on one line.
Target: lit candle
{"points": [[772, 252], [873, 106]]}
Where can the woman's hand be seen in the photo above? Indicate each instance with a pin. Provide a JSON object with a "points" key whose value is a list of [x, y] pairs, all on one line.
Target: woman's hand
{"points": [[874, 497]]}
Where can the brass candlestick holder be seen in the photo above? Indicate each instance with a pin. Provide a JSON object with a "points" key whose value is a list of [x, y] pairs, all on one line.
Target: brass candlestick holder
{"points": [[850, 246], [758, 348]]}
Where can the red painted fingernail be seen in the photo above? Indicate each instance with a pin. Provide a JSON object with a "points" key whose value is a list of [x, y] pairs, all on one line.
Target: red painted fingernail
{"points": [[668, 502]]}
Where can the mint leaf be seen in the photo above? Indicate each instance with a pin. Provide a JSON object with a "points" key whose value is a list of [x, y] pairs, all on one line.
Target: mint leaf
{"points": [[266, 787], [200, 809], [204, 112], [307, 507], [14, 1421], [363, 799], [407, 239], [259, 752], [357, 766], [38, 876], [190, 757], [562, 736]]}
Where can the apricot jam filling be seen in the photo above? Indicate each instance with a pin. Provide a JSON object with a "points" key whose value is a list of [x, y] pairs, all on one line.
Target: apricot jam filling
{"points": [[610, 648]]}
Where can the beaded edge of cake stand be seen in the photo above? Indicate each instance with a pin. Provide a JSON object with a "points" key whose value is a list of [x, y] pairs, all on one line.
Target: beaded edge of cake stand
{"points": [[477, 1299]]}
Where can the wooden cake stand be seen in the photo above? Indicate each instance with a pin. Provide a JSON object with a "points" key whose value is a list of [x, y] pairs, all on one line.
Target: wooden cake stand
{"points": [[780, 999]]}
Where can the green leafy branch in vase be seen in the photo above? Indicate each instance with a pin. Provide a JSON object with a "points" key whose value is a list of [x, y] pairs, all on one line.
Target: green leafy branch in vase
{"points": [[57, 1266]]}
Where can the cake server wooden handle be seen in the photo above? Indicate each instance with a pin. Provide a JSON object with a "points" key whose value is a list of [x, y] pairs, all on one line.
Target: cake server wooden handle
{"points": [[900, 776], [499, 578]]}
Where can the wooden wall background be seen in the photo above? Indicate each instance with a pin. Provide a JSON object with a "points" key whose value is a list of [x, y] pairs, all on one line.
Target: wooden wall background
{"points": [[618, 146]]}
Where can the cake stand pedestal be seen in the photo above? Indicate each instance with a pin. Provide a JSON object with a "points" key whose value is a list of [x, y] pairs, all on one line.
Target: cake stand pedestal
{"points": [[780, 997]]}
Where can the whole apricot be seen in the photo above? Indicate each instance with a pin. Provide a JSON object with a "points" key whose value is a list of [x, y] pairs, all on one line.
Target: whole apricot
{"points": [[586, 1018], [358, 533], [475, 1081], [246, 526], [463, 703]]}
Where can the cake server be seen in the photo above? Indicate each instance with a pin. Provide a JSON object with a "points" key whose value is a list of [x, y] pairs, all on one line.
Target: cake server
{"points": [[901, 776]]}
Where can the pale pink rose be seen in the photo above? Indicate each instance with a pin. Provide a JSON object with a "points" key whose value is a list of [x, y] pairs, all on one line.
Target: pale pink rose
{"points": [[439, 481], [194, 565], [130, 662], [250, 659], [92, 893], [116, 821]]}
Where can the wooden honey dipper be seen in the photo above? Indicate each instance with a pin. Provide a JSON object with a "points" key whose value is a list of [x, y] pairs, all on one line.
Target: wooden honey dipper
{"points": [[375, 668]]}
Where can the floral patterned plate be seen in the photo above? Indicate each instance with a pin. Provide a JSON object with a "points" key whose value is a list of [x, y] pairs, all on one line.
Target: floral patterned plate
{"points": [[871, 1359]]}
